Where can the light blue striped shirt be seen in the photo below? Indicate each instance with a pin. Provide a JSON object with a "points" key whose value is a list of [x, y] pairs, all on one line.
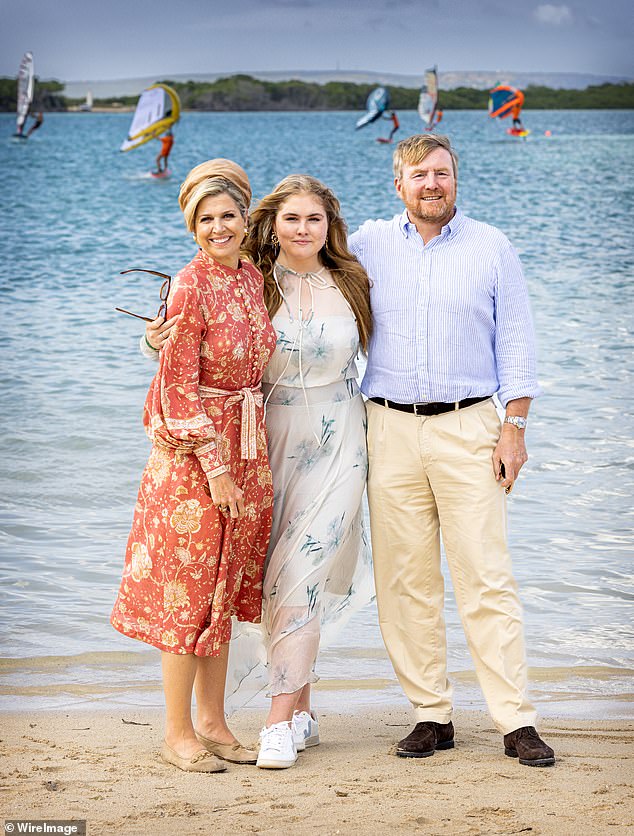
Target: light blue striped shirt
{"points": [[451, 318]]}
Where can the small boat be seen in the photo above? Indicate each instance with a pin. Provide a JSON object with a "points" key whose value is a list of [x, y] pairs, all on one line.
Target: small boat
{"points": [[86, 107]]}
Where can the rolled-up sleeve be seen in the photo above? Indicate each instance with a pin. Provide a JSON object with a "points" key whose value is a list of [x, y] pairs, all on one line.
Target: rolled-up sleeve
{"points": [[514, 334]]}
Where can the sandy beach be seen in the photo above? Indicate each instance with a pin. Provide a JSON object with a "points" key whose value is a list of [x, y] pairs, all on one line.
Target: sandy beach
{"points": [[103, 766]]}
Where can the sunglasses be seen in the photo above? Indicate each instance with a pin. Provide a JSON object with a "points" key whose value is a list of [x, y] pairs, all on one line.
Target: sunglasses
{"points": [[163, 293]]}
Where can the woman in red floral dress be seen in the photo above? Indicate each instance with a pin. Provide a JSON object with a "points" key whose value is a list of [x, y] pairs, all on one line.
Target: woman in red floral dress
{"points": [[202, 521]]}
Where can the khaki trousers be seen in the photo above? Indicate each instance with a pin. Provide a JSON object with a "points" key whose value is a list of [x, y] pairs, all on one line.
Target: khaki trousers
{"points": [[430, 475]]}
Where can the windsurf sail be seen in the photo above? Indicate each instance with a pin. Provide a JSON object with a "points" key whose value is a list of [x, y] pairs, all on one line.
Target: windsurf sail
{"points": [[25, 90], [505, 100], [157, 110], [428, 99], [377, 103]]}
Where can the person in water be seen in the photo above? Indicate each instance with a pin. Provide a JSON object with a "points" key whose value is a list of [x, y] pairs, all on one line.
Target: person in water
{"points": [[37, 121], [395, 125], [517, 122], [167, 143]]}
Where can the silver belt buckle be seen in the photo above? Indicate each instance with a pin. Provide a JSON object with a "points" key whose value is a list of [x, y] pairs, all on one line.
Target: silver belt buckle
{"points": [[416, 405]]}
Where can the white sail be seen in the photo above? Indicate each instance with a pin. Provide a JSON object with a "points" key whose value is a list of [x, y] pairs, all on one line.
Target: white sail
{"points": [[25, 89], [428, 100], [157, 109], [86, 106]]}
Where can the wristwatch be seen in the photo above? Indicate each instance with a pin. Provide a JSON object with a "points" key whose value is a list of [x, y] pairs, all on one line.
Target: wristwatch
{"points": [[517, 421]]}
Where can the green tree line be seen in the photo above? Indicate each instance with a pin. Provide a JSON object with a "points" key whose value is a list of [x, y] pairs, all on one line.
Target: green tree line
{"points": [[47, 95], [243, 92]]}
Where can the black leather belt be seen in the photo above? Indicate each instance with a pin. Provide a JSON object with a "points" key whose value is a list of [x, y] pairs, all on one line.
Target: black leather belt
{"points": [[429, 408]]}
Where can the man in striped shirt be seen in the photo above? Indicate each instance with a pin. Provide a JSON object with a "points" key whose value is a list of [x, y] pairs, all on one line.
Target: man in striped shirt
{"points": [[452, 327]]}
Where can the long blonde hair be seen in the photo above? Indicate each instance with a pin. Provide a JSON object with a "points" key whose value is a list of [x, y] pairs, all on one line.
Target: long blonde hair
{"points": [[346, 272]]}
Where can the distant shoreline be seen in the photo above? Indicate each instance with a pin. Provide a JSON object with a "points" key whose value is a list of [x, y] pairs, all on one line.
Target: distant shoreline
{"points": [[244, 93], [99, 109], [130, 109]]}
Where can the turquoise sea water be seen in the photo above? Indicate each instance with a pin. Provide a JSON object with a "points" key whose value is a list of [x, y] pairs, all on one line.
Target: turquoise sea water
{"points": [[74, 212]]}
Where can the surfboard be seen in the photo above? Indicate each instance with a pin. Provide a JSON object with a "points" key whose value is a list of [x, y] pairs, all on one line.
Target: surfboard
{"points": [[518, 132], [161, 175], [384, 139]]}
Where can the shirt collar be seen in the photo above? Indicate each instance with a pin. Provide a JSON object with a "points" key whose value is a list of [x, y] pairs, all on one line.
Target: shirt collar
{"points": [[407, 227]]}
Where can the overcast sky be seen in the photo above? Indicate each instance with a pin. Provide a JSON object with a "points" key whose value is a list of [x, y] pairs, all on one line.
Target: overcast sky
{"points": [[109, 39]]}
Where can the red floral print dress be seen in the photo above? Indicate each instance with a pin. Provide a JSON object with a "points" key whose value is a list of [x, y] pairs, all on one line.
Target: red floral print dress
{"points": [[188, 568]]}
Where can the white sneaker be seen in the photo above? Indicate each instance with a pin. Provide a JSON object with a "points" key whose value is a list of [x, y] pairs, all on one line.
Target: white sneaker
{"points": [[277, 748], [305, 730]]}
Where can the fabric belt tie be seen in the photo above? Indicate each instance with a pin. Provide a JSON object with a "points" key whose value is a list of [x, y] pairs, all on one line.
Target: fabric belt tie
{"points": [[429, 408], [250, 397]]}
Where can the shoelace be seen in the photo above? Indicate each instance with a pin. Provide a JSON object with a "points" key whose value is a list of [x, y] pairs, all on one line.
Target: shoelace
{"points": [[272, 738]]}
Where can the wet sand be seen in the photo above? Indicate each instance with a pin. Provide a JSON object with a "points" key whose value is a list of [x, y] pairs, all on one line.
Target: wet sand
{"points": [[103, 766]]}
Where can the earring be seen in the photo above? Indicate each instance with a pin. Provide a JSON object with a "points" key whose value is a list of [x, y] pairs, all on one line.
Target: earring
{"points": [[326, 242], [246, 230], [274, 239]]}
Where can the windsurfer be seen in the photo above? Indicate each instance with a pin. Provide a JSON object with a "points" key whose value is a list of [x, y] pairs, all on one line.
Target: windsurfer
{"points": [[395, 125], [517, 122], [36, 123], [167, 142]]}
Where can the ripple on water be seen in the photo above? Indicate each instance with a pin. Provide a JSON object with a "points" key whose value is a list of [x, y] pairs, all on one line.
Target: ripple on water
{"points": [[73, 381]]}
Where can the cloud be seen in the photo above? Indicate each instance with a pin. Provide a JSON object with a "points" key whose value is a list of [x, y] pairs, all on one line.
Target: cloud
{"points": [[553, 15]]}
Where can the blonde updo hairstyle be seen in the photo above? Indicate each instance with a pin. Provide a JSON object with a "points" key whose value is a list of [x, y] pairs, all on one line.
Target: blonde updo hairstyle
{"points": [[346, 272], [212, 187], [210, 179]]}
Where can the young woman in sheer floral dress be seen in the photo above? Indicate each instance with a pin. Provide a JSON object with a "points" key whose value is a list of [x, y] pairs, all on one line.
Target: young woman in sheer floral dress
{"points": [[318, 569]]}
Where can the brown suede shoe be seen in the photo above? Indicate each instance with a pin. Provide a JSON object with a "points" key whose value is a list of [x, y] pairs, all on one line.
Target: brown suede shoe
{"points": [[528, 746], [423, 741]]}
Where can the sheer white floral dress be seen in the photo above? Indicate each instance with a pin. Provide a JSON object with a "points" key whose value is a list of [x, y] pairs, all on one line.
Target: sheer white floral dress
{"points": [[318, 570]]}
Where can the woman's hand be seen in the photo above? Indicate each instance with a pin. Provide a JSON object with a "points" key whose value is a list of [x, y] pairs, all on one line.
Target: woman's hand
{"points": [[158, 331], [227, 496]]}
